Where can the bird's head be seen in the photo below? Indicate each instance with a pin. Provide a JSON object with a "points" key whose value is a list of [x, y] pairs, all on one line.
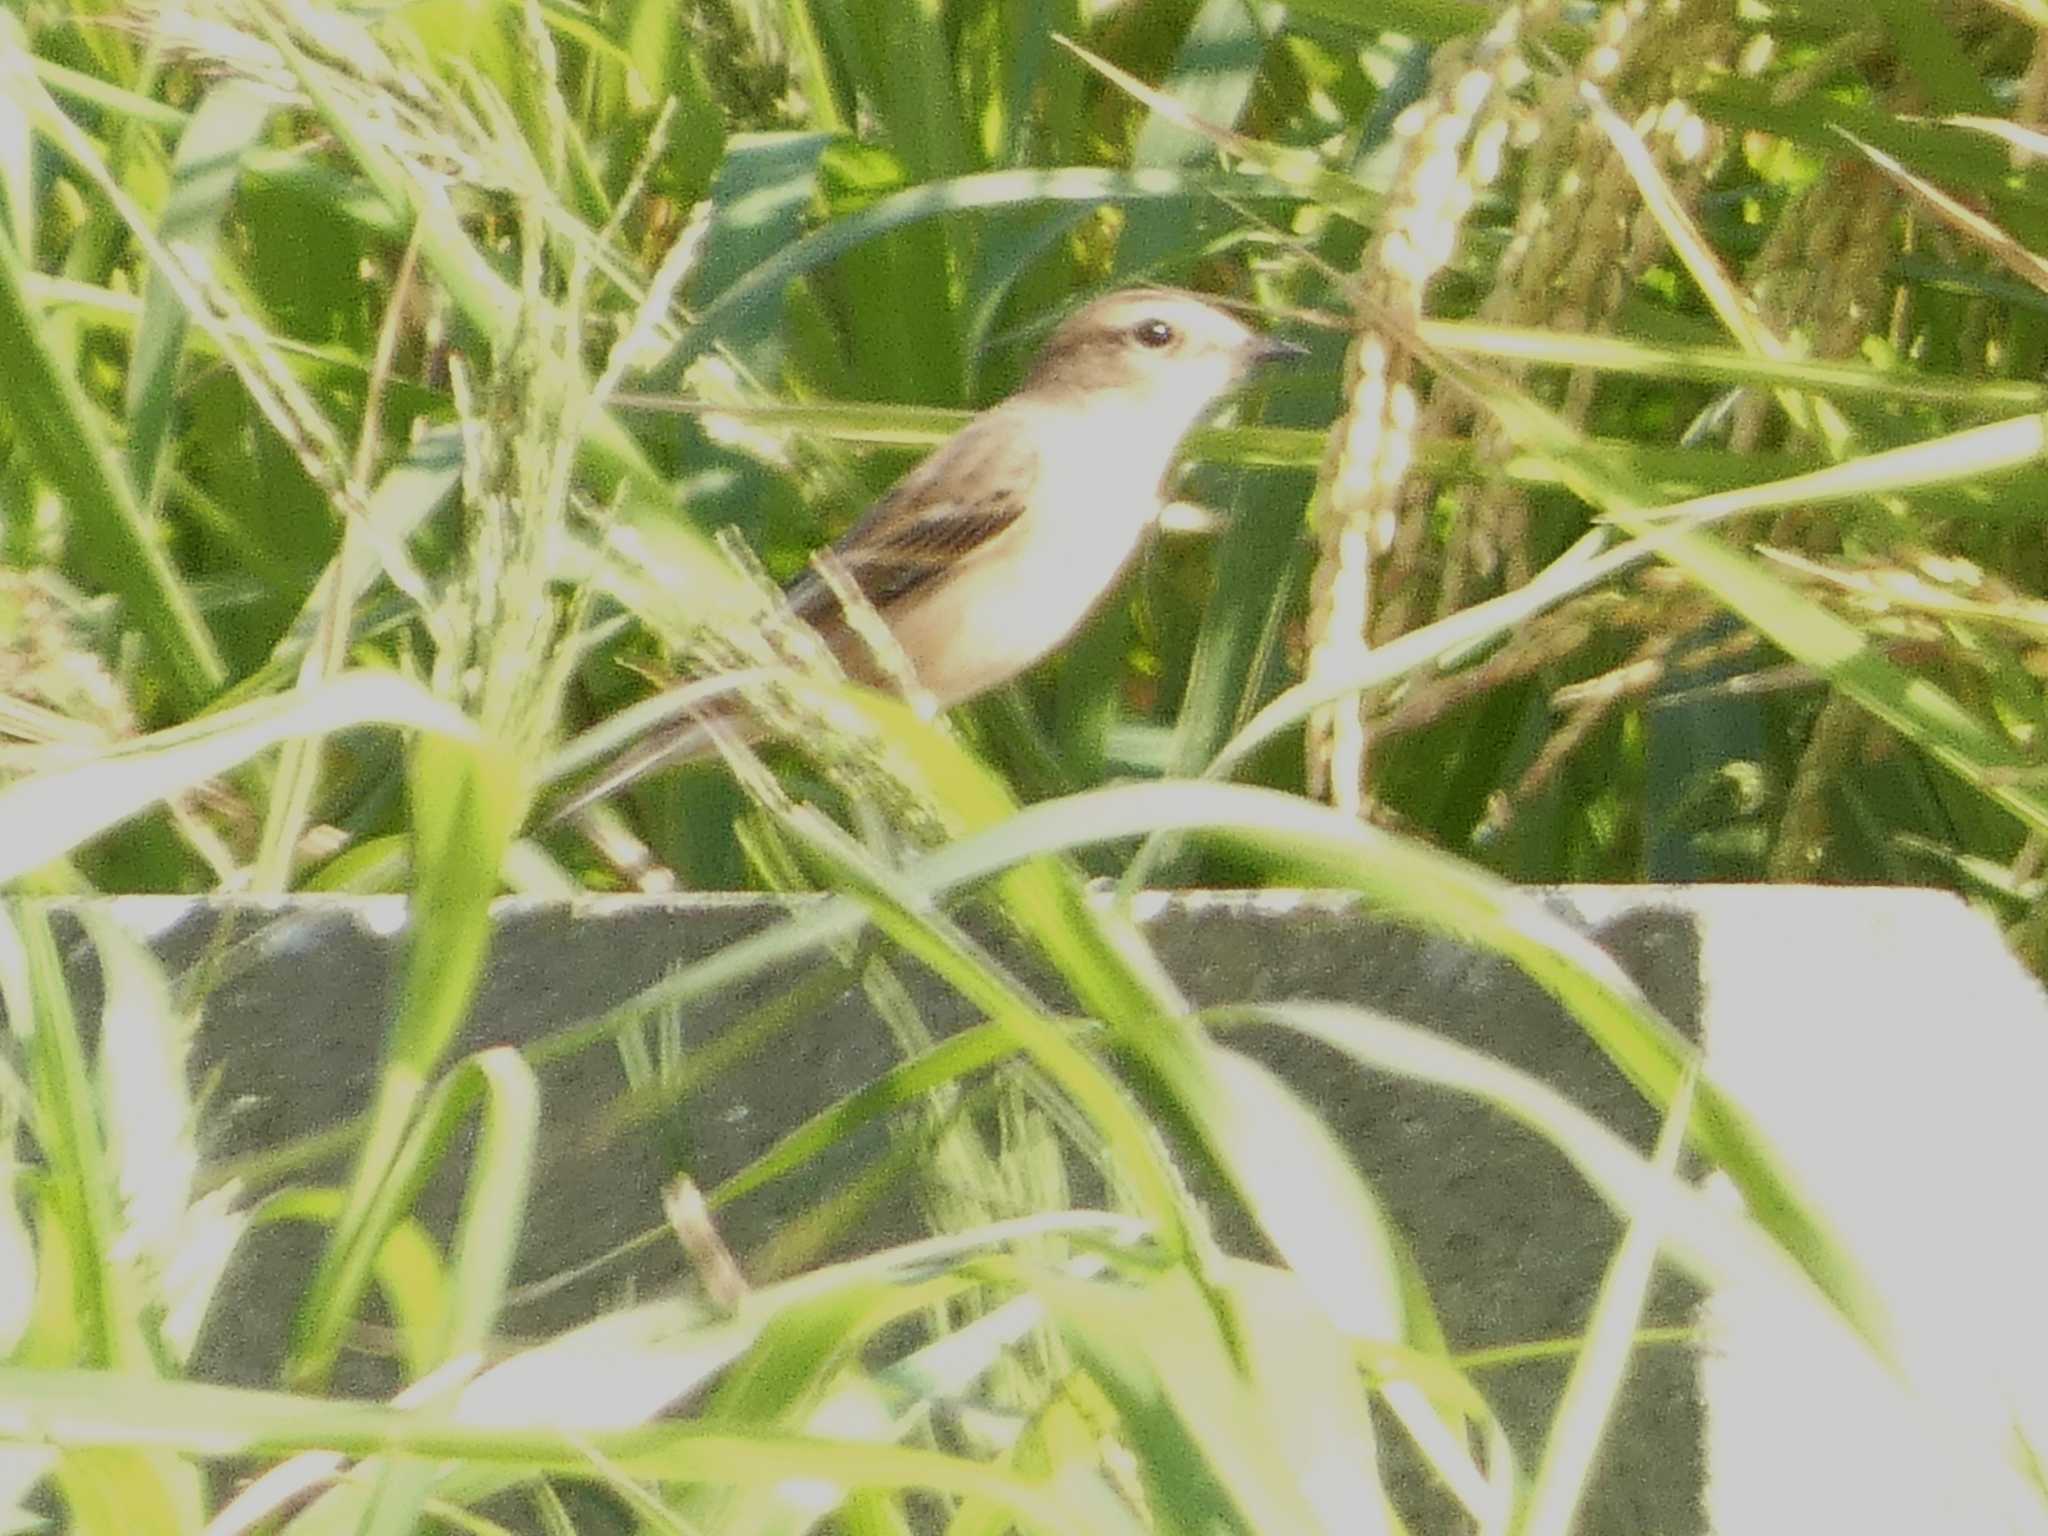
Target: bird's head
{"points": [[1171, 346]]}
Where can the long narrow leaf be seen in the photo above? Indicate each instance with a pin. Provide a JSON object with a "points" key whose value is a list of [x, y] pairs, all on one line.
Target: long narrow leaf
{"points": [[46, 815]]}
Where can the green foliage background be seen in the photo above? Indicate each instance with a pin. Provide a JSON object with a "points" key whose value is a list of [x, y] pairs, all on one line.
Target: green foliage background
{"points": [[846, 226]]}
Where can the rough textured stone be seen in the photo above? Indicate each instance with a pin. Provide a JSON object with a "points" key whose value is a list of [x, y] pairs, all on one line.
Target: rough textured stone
{"points": [[1831, 1014]]}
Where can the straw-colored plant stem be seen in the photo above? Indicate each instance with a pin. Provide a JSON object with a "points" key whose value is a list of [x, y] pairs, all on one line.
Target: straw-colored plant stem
{"points": [[2030, 102], [1823, 277], [1799, 852], [54, 688], [501, 614], [1454, 142], [1579, 242], [1582, 240]]}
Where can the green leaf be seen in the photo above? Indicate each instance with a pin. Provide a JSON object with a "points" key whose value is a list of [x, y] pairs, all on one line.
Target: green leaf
{"points": [[1430, 20], [765, 186], [1204, 1442], [83, 1410], [110, 1491], [740, 307], [112, 541], [1586, 1405], [203, 176], [99, 1321], [411, 1132], [47, 815]]}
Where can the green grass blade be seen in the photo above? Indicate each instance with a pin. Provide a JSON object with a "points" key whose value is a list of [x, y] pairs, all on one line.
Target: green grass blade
{"points": [[1430, 20], [47, 815], [408, 1269], [419, 1129], [739, 306], [18, 206], [467, 804], [1306, 843], [203, 177], [933, 939], [958, 1056], [1700, 364], [81, 1409], [102, 1313], [91, 91], [109, 1491], [1201, 1433], [1210, 81], [494, 1203], [1586, 1405], [112, 542], [486, 1242]]}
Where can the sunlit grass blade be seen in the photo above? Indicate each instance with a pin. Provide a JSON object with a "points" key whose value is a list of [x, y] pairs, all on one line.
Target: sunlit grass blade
{"points": [[1586, 1406], [1719, 1245], [90, 90], [111, 1491], [468, 800], [90, 1309], [485, 1243], [958, 1056], [2017, 258], [1413, 883], [1203, 1444], [1431, 20], [179, 1243], [408, 1140], [623, 1369], [1343, 1259], [1285, 165], [1715, 1243], [81, 1410], [50, 813], [409, 1270], [1915, 705], [795, 1376], [331, 607], [1314, 1400], [63, 438], [483, 296], [1736, 310], [17, 181], [1308, 843], [1693, 363], [1955, 459], [485, 299], [203, 177], [409, 493], [984, 190], [1137, 1154]]}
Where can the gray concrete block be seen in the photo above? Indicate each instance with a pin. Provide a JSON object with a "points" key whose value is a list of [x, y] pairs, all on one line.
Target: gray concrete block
{"points": [[1884, 1040]]}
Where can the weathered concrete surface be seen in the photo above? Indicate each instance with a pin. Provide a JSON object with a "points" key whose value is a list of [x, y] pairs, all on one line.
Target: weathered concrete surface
{"points": [[1832, 1014]]}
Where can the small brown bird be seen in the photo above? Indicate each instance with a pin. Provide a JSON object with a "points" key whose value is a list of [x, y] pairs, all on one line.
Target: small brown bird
{"points": [[995, 549]]}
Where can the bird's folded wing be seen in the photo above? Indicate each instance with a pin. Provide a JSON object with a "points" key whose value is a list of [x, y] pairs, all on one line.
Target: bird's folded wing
{"points": [[969, 493], [962, 498]]}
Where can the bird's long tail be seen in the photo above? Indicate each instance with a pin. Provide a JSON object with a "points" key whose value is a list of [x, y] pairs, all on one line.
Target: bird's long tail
{"points": [[678, 744], [684, 725]]}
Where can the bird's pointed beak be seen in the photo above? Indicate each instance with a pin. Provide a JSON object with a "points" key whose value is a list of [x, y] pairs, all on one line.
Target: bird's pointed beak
{"points": [[1273, 350]]}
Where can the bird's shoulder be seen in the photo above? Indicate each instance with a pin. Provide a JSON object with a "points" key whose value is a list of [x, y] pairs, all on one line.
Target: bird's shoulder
{"points": [[971, 490], [986, 464]]}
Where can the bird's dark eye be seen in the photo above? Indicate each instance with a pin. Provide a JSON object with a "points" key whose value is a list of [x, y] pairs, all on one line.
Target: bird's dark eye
{"points": [[1154, 333]]}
